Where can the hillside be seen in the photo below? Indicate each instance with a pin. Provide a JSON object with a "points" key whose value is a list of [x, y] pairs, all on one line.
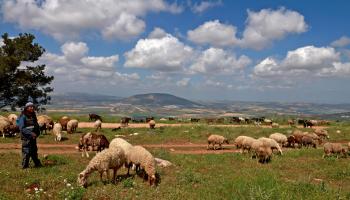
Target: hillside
{"points": [[159, 100]]}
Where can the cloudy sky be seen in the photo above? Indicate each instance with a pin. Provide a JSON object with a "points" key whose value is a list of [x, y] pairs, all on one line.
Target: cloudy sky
{"points": [[289, 51]]}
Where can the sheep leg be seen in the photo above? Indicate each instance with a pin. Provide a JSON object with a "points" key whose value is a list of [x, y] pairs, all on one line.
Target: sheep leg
{"points": [[114, 174], [208, 146], [220, 146]]}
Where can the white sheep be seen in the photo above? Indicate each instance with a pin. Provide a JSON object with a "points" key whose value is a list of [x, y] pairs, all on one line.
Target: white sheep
{"points": [[72, 125], [45, 123], [57, 131], [275, 125], [12, 118], [333, 148], [112, 158], [279, 138], [4, 125], [238, 141], [126, 146], [247, 144], [272, 143], [98, 125], [143, 159], [152, 124], [264, 154], [216, 139]]}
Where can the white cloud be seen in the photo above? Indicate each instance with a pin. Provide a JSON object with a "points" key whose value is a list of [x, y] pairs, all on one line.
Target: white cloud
{"points": [[307, 61], [74, 65], [213, 33], [341, 42], [62, 20], [161, 54], [205, 5], [157, 33], [219, 61], [267, 25], [183, 82]]}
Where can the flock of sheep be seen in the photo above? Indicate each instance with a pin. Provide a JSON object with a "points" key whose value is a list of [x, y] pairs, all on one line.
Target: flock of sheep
{"points": [[262, 148]]}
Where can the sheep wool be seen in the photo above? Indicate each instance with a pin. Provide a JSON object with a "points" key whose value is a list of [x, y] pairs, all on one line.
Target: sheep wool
{"points": [[271, 143], [57, 131], [72, 125], [216, 139], [139, 156], [112, 158], [98, 125], [12, 118], [279, 138]]}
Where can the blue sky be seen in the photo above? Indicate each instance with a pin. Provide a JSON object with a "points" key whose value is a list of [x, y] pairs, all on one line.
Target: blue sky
{"points": [[293, 51]]}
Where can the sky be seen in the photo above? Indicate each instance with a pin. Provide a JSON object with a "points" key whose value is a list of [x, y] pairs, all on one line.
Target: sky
{"points": [[285, 51]]}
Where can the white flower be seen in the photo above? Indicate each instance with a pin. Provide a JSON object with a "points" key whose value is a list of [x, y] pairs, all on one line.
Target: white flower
{"points": [[36, 189], [68, 184]]}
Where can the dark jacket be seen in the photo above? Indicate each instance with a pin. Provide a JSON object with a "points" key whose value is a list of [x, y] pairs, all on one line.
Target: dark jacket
{"points": [[28, 125]]}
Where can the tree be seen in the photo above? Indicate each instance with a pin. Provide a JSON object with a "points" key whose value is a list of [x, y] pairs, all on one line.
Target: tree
{"points": [[19, 81]]}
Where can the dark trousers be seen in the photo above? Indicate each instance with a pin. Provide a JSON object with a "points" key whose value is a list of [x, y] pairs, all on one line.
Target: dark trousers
{"points": [[29, 150]]}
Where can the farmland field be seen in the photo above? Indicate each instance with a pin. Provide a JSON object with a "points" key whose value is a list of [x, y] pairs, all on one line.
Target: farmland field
{"points": [[298, 174]]}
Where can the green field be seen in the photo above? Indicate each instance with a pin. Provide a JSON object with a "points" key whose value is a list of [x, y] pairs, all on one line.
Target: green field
{"points": [[298, 174]]}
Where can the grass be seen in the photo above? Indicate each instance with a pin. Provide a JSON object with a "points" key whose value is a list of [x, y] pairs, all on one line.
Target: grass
{"points": [[298, 174]]}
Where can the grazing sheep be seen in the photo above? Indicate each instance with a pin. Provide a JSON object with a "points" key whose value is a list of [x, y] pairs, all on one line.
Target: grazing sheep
{"points": [[93, 116], [4, 126], [63, 121], [291, 141], [12, 118], [93, 140], [281, 139], [143, 159], [216, 139], [333, 148], [271, 143], [98, 125], [268, 121], [247, 144], [57, 131], [72, 126], [126, 146], [275, 125], [45, 123], [307, 141], [322, 133], [238, 141], [152, 124], [264, 154], [112, 158]]}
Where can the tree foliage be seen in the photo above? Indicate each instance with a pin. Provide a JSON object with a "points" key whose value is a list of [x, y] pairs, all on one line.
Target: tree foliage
{"points": [[18, 80]]}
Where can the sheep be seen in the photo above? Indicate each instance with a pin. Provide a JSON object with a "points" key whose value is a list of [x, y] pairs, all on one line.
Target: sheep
{"points": [[72, 125], [238, 141], [12, 118], [45, 123], [307, 141], [112, 158], [143, 159], [333, 148], [126, 146], [322, 133], [247, 144], [268, 121], [57, 131], [281, 139], [272, 143], [63, 121], [275, 125], [93, 140], [264, 154], [4, 125], [152, 124], [98, 125], [216, 139]]}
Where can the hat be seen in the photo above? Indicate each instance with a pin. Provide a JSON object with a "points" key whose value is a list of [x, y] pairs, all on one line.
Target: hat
{"points": [[28, 105]]}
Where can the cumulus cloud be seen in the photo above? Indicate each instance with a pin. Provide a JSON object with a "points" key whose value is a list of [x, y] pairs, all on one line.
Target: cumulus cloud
{"points": [[183, 82], [341, 42], [219, 61], [307, 60], [205, 5], [213, 33], [74, 65], [262, 28], [157, 33], [267, 25], [162, 54], [116, 19]]}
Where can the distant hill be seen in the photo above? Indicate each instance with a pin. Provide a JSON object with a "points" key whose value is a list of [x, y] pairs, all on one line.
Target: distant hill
{"points": [[159, 99], [84, 99]]}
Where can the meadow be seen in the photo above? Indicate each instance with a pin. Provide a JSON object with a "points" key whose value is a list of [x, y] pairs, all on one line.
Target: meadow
{"points": [[298, 174]]}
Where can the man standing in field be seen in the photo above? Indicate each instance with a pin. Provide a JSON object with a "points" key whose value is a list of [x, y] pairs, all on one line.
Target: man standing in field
{"points": [[30, 130]]}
